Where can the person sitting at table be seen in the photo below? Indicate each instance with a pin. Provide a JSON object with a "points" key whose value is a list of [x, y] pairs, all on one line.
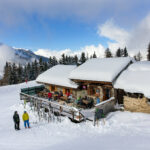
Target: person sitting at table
{"points": [[79, 101], [68, 93], [69, 98], [60, 94], [91, 102]]}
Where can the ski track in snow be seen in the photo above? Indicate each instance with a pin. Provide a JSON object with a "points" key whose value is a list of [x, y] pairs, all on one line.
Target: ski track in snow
{"points": [[122, 131]]}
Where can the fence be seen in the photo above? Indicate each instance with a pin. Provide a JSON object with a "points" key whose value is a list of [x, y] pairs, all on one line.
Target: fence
{"points": [[52, 107]]}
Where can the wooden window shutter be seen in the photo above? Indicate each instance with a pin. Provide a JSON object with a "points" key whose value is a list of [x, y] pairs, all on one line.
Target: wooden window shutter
{"points": [[55, 88], [88, 90]]}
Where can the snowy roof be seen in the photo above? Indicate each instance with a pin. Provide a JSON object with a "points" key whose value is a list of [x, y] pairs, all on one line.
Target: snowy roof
{"points": [[58, 75], [100, 69], [136, 79]]}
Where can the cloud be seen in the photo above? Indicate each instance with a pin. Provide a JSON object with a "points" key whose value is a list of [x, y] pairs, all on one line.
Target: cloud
{"points": [[89, 50], [19, 11], [140, 36], [113, 32], [6, 54], [135, 40]]}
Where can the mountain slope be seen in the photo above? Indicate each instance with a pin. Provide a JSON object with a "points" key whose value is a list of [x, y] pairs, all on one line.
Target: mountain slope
{"points": [[16, 55]]}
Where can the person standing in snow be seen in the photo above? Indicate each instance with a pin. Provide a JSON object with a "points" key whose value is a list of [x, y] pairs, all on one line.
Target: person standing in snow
{"points": [[16, 120], [25, 118], [49, 96], [97, 100]]}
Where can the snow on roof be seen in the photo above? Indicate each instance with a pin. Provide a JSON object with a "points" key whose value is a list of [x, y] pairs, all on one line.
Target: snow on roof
{"points": [[100, 69], [58, 75], [136, 79]]}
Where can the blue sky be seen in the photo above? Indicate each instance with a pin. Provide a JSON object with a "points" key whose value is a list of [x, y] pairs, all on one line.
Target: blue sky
{"points": [[66, 24]]}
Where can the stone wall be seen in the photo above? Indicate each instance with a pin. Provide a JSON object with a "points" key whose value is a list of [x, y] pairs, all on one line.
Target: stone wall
{"points": [[136, 104]]}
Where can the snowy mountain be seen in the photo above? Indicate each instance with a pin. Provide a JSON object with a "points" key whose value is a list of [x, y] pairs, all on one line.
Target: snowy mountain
{"points": [[16, 55], [28, 55]]}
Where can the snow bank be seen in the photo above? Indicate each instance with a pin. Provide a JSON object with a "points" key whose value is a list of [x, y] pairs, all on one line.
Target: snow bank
{"points": [[100, 69], [136, 79], [58, 75]]}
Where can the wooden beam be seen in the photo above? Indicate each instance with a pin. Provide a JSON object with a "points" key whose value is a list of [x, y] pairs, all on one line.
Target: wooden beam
{"points": [[90, 81], [56, 85]]}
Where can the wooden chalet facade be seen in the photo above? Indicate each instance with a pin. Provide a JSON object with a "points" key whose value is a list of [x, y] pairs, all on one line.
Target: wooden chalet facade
{"points": [[96, 77], [56, 79], [93, 89]]}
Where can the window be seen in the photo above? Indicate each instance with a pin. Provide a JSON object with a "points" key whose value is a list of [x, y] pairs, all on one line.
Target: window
{"points": [[52, 88], [97, 91], [91, 90], [67, 91], [148, 101], [107, 93]]}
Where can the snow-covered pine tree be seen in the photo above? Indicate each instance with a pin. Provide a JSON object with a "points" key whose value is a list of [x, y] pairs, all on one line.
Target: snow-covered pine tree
{"points": [[54, 61], [138, 57], [50, 62]]}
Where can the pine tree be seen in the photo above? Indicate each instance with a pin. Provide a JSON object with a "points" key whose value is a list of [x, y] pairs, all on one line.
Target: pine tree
{"points": [[138, 57], [63, 59], [76, 60], [7, 72], [13, 76], [94, 55], [19, 73], [118, 52], [45, 66], [36, 68], [125, 52], [82, 58], [54, 61], [148, 52], [50, 62], [32, 71], [25, 74], [28, 72], [108, 53], [41, 65]]}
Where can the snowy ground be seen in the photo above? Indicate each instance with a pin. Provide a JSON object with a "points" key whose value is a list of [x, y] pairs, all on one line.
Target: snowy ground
{"points": [[122, 131]]}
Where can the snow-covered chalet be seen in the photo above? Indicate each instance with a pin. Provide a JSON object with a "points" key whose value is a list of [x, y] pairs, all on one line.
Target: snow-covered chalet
{"points": [[133, 87], [96, 76], [57, 79]]}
